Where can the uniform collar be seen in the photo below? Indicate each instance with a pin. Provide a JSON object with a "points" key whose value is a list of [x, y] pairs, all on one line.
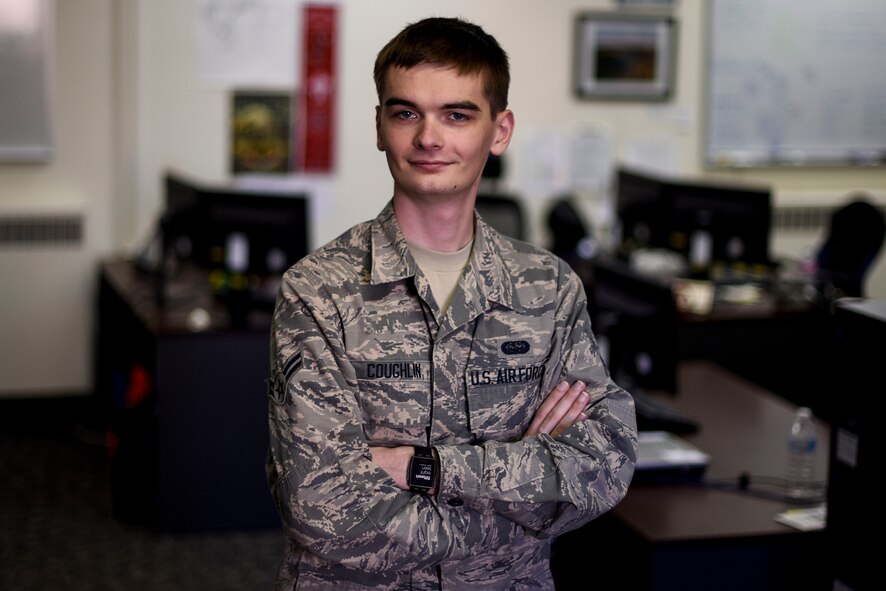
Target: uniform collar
{"points": [[489, 263], [392, 261]]}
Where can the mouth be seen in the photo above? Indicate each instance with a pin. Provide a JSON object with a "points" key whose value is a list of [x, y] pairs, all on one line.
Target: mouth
{"points": [[428, 165]]}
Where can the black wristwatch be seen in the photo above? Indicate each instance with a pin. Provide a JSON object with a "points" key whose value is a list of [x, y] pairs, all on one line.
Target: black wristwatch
{"points": [[422, 472]]}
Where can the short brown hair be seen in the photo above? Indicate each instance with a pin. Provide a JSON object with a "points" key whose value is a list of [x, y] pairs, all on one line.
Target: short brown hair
{"points": [[449, 42]]}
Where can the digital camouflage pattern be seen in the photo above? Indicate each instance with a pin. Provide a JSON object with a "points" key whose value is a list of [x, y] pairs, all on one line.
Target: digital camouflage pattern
{"points": [[360, 356]]}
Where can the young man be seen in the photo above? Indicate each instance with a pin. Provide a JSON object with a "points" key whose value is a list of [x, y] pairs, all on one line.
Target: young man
{"points": [[439, 409]]}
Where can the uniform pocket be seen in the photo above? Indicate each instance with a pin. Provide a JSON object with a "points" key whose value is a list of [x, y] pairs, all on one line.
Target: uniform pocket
{"points": [[394, 398], [503, 399]]}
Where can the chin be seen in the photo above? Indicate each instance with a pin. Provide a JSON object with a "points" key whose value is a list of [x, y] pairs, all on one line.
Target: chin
{"points": [[436, 190]]}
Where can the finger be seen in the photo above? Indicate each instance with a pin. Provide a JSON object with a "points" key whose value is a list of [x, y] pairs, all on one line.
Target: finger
{"points": [[566, 415], [573, 415], [562, 408], [549, 402]]}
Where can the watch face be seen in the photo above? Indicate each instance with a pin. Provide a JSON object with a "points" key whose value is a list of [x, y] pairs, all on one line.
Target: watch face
{"points": [[421, 472]]}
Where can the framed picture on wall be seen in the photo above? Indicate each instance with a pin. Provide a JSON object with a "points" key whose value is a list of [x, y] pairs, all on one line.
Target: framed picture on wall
{"points": [[624, 56], [261, 132]]}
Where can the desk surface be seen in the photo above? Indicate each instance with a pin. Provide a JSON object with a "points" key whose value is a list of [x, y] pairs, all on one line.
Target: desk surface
{"points": [[184, 293], [777, 294], [744, 429]]}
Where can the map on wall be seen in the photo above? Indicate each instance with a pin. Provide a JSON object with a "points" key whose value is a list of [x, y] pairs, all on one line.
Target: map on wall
{"points": [[248, 42]]}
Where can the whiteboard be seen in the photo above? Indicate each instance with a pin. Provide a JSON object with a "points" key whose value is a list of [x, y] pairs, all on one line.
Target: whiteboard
{"points": [[796, 82], [25, 79]]}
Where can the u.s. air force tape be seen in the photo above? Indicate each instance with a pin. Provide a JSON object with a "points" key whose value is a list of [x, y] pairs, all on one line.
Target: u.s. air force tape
{"points": [[497, 376]]}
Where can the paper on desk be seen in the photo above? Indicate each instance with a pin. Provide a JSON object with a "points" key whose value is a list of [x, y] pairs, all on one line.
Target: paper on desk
{"points": [[661, 449], [805, 519]]}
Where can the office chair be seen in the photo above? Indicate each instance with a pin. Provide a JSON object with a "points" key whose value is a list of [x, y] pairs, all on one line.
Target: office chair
{"points": [[504, 213], [570, 235], [854, 239], [571, 239]]}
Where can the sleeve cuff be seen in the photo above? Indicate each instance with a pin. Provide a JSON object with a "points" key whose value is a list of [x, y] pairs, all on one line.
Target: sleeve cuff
{"points": [[461, 476]]}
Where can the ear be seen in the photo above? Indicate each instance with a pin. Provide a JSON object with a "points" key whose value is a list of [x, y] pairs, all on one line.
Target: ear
{"points": [[378, 141], [504, 131]]}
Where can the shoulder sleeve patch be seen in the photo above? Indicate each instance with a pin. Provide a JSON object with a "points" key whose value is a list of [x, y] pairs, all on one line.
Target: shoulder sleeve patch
{"points": [[281, 375]]}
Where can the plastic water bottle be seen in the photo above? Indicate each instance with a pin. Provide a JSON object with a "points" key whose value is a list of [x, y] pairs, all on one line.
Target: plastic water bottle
{"points": [[802, 442]]}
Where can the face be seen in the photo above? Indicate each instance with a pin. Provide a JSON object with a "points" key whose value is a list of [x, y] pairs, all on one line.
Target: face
{"points": [[435, 127]]}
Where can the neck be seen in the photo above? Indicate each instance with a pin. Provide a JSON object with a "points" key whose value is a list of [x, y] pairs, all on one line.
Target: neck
{"points": [[444, 224]]}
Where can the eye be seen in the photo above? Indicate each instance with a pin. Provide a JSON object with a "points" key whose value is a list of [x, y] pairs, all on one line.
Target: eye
{"points": [[404, 114], [456, 116]]}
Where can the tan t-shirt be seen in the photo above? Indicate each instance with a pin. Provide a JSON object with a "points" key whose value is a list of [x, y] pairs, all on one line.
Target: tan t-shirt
{"points": [[443, 270]]}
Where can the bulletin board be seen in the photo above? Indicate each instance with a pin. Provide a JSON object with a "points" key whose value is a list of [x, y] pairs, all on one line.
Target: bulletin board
{"points": [[26, 34], [795, 83]]}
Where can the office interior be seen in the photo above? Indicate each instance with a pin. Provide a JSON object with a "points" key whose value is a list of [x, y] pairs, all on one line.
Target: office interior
{"points": [[132, 99]]}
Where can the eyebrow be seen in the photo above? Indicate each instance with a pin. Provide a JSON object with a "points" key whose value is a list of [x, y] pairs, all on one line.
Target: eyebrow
{"points": [[461, 105]]}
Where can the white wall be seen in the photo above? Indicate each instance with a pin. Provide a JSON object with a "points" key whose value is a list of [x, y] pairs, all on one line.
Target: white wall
{"points": [[183, 120], [47, 290], [130, 102]]}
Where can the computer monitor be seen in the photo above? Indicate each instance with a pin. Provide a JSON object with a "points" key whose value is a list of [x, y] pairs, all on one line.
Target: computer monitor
{"points": [[502, 212], [636, 318], [643, 210], [732, 222], [654, 212], [268, 230]]}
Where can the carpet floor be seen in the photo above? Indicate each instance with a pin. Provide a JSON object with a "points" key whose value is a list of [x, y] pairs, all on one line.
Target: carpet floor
{"points": [[57, 530]]}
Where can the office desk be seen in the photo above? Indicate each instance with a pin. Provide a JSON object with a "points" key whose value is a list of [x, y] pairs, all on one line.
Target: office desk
{"points": [[687, 537], [187, 411], [783, 342]]}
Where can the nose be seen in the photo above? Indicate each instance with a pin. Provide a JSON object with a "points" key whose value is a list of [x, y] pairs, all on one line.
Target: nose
{"points": [[428, 136]]}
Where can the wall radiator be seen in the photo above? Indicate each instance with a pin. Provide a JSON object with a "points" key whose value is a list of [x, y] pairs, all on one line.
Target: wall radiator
{"points": [[47, 286]]}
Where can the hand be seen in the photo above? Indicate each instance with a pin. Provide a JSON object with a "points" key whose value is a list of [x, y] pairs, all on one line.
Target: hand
{"points": [[394, 461], [563, 407]]}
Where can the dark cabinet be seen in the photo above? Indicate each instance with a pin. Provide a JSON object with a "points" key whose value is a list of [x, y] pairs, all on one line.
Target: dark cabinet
{"points": [[184, 393]]}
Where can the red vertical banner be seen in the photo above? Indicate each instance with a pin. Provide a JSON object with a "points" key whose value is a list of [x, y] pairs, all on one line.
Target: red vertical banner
{"points": [[316, 131]]}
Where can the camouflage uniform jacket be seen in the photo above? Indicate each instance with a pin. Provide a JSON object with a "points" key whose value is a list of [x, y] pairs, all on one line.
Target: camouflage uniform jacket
{"points": [[360, 356]]}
